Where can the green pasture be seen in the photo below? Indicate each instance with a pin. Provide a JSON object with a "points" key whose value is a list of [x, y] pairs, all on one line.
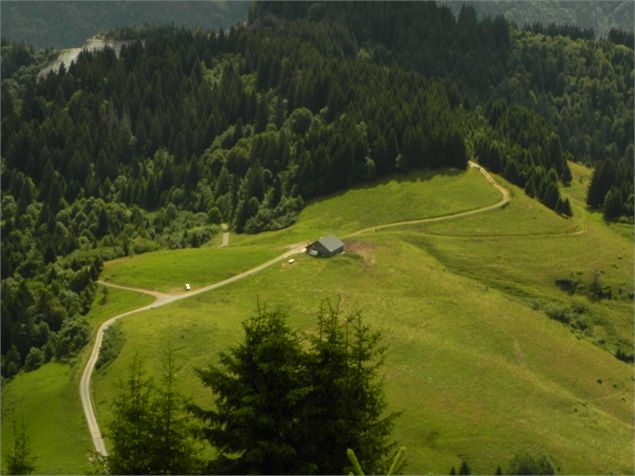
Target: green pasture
{"points": [[420, 194], [48, 400], [169, 270], [476, 373], [403, 197], [475, 365], [524, 248]]}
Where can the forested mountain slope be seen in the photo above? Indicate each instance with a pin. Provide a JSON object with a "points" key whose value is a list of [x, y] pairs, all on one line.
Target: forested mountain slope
{"points": [[582, 88], [575, 84], [156, 147]]}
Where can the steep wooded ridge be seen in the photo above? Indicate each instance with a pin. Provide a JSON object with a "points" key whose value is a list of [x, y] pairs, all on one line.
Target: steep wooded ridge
{"points": [[157, 146], [600, 17]]}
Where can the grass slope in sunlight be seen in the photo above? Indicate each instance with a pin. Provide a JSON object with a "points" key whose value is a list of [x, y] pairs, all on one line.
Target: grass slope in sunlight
{"points": [[476, 366], [169, 270], [475, 372], [474, 363]]}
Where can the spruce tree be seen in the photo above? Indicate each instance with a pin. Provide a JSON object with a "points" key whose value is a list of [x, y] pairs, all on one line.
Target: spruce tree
{"points": [[288, 405], [525, 463], [347, 402], [131, 430], [151, 431], [613, 204], [175, 449], [259, 387], [19, 459]]}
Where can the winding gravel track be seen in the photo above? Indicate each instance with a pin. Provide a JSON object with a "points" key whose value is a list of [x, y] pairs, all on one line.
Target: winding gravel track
{"points": [[161, 299]]}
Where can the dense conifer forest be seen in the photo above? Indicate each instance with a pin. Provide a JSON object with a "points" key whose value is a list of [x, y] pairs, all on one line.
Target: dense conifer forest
{"points": [[185, 130], [597, 16]]}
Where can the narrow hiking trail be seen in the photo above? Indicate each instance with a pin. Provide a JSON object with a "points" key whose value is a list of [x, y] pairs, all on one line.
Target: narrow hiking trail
{"points": [[162, 299], [225, 228]]}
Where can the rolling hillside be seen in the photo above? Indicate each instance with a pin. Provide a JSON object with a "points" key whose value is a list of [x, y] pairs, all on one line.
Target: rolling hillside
{"points": [[476, 366]]}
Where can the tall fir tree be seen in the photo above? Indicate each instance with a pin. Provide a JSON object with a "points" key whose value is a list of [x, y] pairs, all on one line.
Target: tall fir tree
{"points": [[20, 459]]}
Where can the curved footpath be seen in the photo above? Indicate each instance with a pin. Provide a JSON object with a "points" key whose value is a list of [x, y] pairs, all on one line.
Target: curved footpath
{"points": [[161, 299]]}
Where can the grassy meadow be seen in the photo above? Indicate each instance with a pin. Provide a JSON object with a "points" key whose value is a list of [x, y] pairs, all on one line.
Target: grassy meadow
{"points": [[475, 373], [169, 270], [418, 195], [474, 363]]}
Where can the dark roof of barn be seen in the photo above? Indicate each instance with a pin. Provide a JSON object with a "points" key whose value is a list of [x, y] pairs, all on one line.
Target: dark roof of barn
{"points": [[331, 243]]}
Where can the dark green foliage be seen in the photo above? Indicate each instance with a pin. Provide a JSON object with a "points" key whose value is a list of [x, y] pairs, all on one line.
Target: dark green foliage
{"points": [[131, 430], [347, 402], [395, 467], [49, 269], [587, 103], [521, 146], [260, 389], [525, 463], [20, 63], [576, 19], [568, 285], [11, 362], [576, 316], [276, 389], [111, 345], [464, 469], [14, 57], [34, 359], [597, 289], [625, 354], [611, 188], [175, 449], [499, 471], [613, 204], [620, 37], [110, 158], [150, 431], [74, 334]]}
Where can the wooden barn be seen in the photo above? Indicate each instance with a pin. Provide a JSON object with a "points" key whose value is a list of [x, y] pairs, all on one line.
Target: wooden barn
{"points": [[326, 246]]}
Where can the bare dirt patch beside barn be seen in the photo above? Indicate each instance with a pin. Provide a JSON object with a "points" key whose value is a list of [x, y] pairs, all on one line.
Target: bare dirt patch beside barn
{"points": [[363, 249]]}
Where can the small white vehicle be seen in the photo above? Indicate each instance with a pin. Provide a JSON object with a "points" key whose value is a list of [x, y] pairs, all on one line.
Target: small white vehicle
{"points": [[291, 261], [187, 286]]}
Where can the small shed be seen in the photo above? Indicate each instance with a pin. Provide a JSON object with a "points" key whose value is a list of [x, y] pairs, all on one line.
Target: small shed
{"points": [[326, 246]]}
